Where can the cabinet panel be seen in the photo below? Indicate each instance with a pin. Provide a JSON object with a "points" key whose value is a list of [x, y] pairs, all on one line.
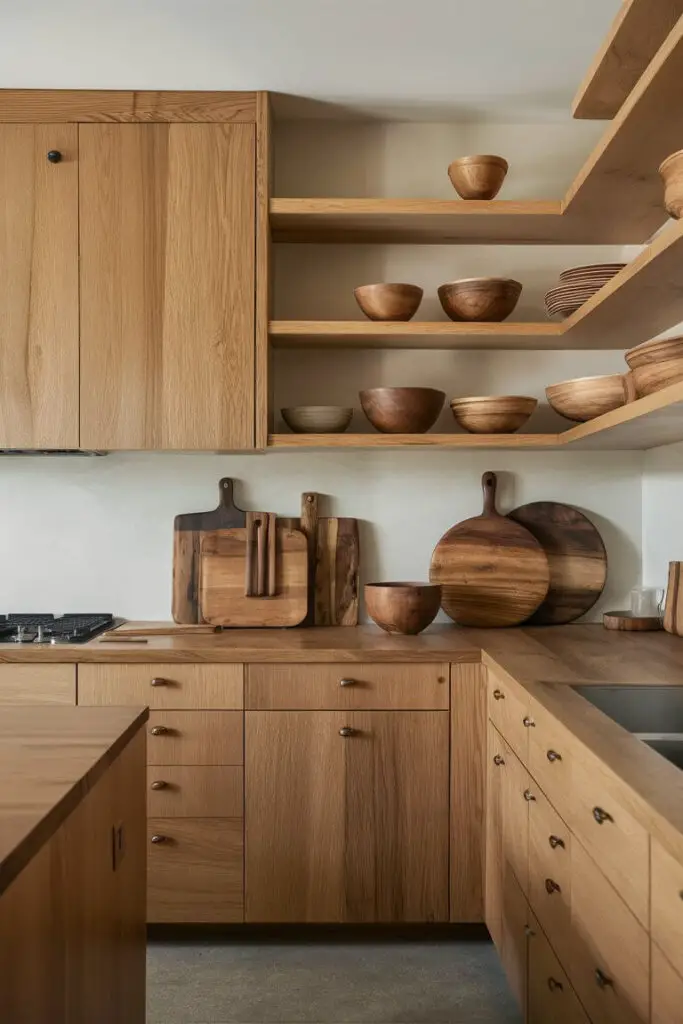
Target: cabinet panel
{"points": [[551, 756], [550, 870], [39, 299], [508, 710], [667, 904], [518, 791], [37, 684], [493, 856], [514, 938], [667, 990], [550, 994], [194, 791], [195, 737], [162, 686], [167, 285], [468, 791]]}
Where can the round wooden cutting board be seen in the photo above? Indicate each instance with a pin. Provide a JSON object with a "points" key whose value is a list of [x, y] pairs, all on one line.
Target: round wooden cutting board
{"points": [[576, 556], [493, 571]]}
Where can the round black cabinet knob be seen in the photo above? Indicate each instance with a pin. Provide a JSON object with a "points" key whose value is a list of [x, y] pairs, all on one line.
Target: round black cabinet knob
{"points": [[54, 156]]}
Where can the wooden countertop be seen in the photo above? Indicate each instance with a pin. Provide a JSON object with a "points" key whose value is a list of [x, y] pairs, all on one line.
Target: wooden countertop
{"points": [[50, 757]]}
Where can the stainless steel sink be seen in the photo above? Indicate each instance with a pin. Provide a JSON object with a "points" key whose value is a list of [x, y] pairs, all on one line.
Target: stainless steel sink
{"points": [[654, 714]]}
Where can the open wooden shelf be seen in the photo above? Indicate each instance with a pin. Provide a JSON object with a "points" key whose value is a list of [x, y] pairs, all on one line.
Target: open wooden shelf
{"points": [[414, 334], [646, 423]]}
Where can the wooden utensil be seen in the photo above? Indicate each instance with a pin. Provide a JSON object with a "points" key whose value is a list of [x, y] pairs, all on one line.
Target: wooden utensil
{"points": [[187, 532], [631, 623], [673, 608], [478, 177], [576, 557], [493, 571], [222, 583]]}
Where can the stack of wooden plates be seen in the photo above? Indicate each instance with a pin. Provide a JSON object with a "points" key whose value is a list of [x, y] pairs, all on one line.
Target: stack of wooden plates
{"points": [[577, 285]]}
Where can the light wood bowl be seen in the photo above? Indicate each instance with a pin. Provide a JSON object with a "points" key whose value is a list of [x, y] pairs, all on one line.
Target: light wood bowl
{"points": [[478, 177], [480, 299], [656, 364], [585, 398], [402, 410], [389, 301], [493, 415], [405, 608], [671, 171], [317, 419]]}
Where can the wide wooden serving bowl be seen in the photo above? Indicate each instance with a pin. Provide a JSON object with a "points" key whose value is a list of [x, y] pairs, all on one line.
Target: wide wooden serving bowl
{"points": [[480, 299], [499, 414], [671, 171], [389, 301], [317, 419], [585, 398], [656, 364], [478, 177], [402, 410], [406, 608]]}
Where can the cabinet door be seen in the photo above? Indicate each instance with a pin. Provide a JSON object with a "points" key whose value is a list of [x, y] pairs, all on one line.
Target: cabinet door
{"points": [[518, 793], [39, 297], [167, 214], [493, 896], [514, 950]]}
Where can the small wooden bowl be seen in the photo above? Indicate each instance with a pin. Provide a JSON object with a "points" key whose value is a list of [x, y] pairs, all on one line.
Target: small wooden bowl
{"points": [[671, 171], [405, 608], [317, 419], [478, 177], [389, 301], [656, 364], [493, 415], [480, 299], [585, 398], [402, 410]]}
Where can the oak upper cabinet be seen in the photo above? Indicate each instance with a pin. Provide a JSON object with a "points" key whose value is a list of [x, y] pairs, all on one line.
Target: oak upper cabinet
{"points": [[347, 816], [167, 239], [39, 295]]}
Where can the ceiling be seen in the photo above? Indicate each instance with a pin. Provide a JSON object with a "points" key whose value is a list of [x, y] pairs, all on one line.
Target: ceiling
{"points": [[512, 60]]}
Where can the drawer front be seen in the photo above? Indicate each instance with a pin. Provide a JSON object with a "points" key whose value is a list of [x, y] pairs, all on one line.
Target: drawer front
{"points": [[180, 791], [550, 994], [195, 870], [346, 687], [163, 686], [667, 990], [195, 737], [37, 684], [608, 961], [550, 757], [616, 841], [667, 904], [518, 793], [509, 711], [550, 870]]}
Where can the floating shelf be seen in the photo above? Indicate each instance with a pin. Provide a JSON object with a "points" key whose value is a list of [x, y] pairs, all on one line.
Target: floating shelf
{"points": [[415, 334]]}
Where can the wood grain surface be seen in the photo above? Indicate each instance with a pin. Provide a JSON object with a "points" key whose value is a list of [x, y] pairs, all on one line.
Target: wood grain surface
{"points": [[82, 105], [673, 609], [195, 737], [195, 791], [631, 623], [37, 684], [576, 557], [336, 572], [492, 570], [163, 687], [468, 792]]}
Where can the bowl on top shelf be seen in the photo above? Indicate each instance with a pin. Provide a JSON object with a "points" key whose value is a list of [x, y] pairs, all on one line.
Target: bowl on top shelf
{"points": [[317, 419], [655, 364], [577, 285], [584, 398], [402, 410], [671, 171], [405, 608], [389, 301], [478, 177], [480, 299], [495, 414]]}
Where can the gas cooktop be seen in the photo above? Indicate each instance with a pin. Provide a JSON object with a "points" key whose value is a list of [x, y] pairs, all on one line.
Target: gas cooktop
{"points": [[53, 629]]}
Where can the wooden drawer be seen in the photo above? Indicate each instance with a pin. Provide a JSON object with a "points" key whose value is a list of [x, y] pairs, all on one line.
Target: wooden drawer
{"points": [[550, 757], [37, 684], [346, 687], [609, 956], [518, 792], [550, 870], [163, 686], [667, 904], [179, 791], [195, 870], [550, 996], [509, 711], [195, 737], [616, 841], [667, 990]]}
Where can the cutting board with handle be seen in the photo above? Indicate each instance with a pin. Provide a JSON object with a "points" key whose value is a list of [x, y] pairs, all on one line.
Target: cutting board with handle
{"points": [[576, 557], [187, 534], [673, 608], [493, 571], [334, 562], [279, 598]]}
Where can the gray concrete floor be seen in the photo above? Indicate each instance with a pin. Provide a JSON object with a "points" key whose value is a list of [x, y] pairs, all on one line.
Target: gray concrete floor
{"points": [[327, 982]]}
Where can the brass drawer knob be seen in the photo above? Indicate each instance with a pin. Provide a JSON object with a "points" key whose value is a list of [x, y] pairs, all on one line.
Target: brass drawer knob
{"points": [[602, 980], [498, 760], [528, 722], [159, 730], [554, 985], [347, 682], [555, 841], [159, 839], [159, 784], [498, 695], [553, 755], [601, 816], [529, 796], [551, 886], [158, 681], [346, 730], [529, 932]]}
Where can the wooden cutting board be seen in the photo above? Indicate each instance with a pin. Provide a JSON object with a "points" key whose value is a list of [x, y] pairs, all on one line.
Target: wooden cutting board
{"points": [[673, 609], [187, 533], [334, 562], [493, 571], [222, 577], [576, 557]]}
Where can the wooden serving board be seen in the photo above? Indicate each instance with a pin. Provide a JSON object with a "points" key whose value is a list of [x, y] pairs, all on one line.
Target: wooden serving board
{"points": [[673, 608], [334, 562], [493, 571], [576, 557], [631, 623], [223, 560]]}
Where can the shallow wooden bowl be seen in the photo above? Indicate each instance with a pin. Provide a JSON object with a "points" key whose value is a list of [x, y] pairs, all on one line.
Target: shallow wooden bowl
{"points": [[478, 177], [500, 414], [656, 364], [671, 171], [480, 299], [585, 398], [406, 608], [317, 419], [402, 410], [389, 301]]}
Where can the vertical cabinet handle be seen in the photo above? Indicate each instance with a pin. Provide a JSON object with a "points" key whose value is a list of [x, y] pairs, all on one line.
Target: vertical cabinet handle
{"points": [[601, 816], [54, 156]]}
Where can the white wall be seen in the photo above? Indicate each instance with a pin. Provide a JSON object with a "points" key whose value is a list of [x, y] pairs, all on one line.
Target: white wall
{"points": [[662, 512]]}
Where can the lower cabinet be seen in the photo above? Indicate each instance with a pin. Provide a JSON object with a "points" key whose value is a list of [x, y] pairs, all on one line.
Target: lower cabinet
{"points": [[550, 996], [347, 816], [667, 990]]}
